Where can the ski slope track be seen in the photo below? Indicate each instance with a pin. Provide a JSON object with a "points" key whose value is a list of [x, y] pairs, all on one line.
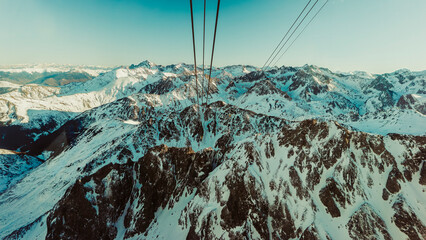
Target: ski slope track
{"points": [[290, 153]]}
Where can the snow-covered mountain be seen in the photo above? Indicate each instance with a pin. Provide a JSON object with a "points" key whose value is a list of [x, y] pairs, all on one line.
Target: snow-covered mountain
{"points": [[54, 68], [14, 166], [290, 153], [380, 104], [49, 74]]}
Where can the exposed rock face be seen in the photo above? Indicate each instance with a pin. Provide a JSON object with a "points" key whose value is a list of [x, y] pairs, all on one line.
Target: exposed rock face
{"points": [[267, 88], [154, 165], [274, 184], [381, 84], [91, 205], [161, 87], [422, 179], [311, 233], [127, 194], [392, 184], [330, 196], [407, 221], [308, 84], [411, 102], [30, 111], [251, 77], [366, 224]]}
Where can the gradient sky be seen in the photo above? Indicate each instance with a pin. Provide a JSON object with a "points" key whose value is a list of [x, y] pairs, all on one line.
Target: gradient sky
{"points": [[372, 35]]}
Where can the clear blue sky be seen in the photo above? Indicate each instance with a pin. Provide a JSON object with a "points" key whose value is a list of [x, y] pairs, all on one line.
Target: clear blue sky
{"points": [[372, 35]]}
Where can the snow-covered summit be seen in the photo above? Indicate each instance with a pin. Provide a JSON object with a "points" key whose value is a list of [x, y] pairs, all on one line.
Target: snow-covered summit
{"points": [[41, 68], [371, 103], [126, 170], [290, 153], [145, 64]]}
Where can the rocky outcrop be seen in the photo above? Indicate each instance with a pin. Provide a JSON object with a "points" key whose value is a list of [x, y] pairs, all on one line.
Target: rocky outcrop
{"points": [[365, 224], [274, 184], [307, 84], [266, 87], [91, 205], [407, 221], [129, 194], [411, 102], [155, 166], [332, 197], [160, 87]]}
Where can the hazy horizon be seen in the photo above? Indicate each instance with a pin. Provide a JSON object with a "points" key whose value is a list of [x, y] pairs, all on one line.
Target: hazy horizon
{"points": [[126, 65]]}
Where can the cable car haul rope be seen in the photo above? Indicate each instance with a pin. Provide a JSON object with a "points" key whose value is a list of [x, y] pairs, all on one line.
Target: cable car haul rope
{"points": [[207, 92], [195, 56]]}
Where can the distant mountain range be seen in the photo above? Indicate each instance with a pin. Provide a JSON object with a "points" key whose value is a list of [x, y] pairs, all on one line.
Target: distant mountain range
{"points": [[49, 74], [286, 153]]}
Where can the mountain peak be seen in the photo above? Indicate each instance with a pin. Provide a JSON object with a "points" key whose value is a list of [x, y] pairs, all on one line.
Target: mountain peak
{"points": [[402, 70], [132, 154], [145, 64]]}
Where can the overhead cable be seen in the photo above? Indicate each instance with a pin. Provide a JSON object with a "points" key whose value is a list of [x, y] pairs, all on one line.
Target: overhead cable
{"points": [[301, 32], [293, 32], [214, 42], [195, 56], [286, 34]]}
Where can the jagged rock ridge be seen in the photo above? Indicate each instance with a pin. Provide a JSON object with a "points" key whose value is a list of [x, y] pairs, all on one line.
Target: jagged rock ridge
{"points": [[143, 161], [262, 177], [380, 104]]}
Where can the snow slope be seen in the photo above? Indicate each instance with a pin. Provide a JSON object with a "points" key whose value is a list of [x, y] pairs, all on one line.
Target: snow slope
{"points": [[233, 173], [14, 166], [293, 153], [355, 99], [41, 68]]}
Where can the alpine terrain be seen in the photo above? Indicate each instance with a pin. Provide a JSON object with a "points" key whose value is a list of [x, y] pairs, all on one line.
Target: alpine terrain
{"points": [[286, 153]]}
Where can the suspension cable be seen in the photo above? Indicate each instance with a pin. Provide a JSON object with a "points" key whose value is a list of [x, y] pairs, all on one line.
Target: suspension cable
{"points": [[286, 34], [293, 32], [195, 56], [301, 32], [204, 48], [214, 42]]}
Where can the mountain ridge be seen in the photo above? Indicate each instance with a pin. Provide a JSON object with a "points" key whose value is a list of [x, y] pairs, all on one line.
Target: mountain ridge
{"points": [[355, 158], [273, 154]]}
